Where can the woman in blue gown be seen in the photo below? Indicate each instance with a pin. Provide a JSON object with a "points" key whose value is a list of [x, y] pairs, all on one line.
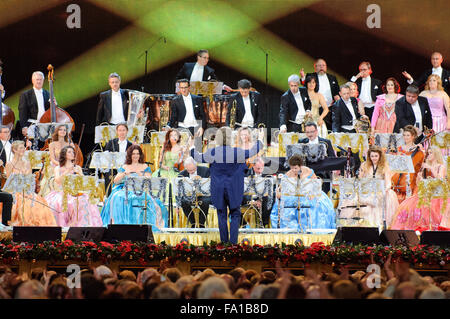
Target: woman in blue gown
{"points": [[320, 213], [119, 209]]}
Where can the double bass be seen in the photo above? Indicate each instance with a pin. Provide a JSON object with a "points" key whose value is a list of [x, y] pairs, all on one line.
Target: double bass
{"points": [[56, 114]]}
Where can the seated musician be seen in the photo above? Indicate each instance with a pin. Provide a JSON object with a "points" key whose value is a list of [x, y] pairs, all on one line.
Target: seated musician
{"points": [[187, 110], [249, 106], [312, 134], [199, 71], [28, 209], [60, 140], [399, 180], [411, 216], [257, 171], [315, 212], [122, 207], [5, 156], [193, 171], [79, 212], [345, 112], [118, 144]]}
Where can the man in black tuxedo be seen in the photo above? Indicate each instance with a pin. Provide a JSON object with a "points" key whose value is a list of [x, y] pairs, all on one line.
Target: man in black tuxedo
{"points": [[414, 110], [33, 103], [113, 104], [193, 171], [345, 111], [436, 62], [249, 106], [118, 144], [187, 110], [295, 104], [257, 171], [5, 156], [326, 84], [312, 137], [369, 88]]}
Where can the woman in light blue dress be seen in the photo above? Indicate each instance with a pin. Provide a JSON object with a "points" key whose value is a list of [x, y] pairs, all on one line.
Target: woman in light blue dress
{"points": [[122, 209], [319, 213]]}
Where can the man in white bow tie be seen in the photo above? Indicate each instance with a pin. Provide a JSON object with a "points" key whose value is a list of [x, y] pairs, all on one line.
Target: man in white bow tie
{"points": [[187, 110], [369, 88], [436, 62], [5, 145]]}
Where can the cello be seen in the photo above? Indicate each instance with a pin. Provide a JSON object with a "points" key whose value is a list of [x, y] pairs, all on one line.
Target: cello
{"points": [[55, 114]]}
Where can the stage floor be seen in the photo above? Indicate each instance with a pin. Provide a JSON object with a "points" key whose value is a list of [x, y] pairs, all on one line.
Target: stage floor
{"points": [[200, 236]]}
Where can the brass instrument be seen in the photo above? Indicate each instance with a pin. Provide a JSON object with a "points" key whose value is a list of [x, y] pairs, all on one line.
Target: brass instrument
{"points": [[135, 106], [363, 125], [164, 115], [233, 114]]}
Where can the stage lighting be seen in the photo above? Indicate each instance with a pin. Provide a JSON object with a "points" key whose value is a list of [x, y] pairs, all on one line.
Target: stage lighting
{"points": [[245, 242]]}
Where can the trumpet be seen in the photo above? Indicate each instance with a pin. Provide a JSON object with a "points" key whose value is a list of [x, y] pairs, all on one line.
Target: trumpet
{"points": [[233, 114]]}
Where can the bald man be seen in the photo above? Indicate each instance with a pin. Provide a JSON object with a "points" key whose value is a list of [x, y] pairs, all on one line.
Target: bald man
{"points": [[436, 62]]}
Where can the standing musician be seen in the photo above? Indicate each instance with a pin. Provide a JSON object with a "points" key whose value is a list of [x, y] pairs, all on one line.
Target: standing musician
{"points": [[199, 71], [113, 104], [227, 166], [295, 104], [187, 110], [34, 102], [249, 107]]}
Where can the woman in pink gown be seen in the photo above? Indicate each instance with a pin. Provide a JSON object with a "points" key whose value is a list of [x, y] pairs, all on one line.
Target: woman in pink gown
{"points": [[79, 212], [409, 215], [384, 118], [439, 103]]}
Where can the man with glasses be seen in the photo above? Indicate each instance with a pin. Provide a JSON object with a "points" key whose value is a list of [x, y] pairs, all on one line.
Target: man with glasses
{"points": [[312, 137], [368, 87], [187, 110]]}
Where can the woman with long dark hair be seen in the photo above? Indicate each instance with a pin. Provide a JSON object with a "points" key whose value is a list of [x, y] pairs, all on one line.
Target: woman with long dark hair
{"points": [[317, 102], [79, 212], [123, 208]]}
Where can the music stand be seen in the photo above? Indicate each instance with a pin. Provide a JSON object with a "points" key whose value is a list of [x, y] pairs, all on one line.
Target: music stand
{"points": [[258, 187], [402, 164], [433, 188], [303, 188], [356, 188], [105, 133], [147, 186], [43, 131], [24, 184], [189, 190], [106, 162]]}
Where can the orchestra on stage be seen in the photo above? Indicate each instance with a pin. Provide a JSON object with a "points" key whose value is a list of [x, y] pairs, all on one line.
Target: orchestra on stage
{"points": [[359, 154]]}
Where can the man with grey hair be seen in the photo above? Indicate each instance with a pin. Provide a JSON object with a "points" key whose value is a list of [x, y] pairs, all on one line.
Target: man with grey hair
{"points": [[193, 171], [295, 103], [34, 102], [345, 112], [113, 104]]}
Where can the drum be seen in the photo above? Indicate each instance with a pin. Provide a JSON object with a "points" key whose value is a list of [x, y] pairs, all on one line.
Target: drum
{"points": [[216, 110], [158, 102]]}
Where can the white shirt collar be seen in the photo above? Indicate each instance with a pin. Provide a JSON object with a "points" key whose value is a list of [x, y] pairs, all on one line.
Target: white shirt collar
{"points": [[437, 69], [37, 90], [116, 93], [314, 141], [186, 97], [366, 78]]}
